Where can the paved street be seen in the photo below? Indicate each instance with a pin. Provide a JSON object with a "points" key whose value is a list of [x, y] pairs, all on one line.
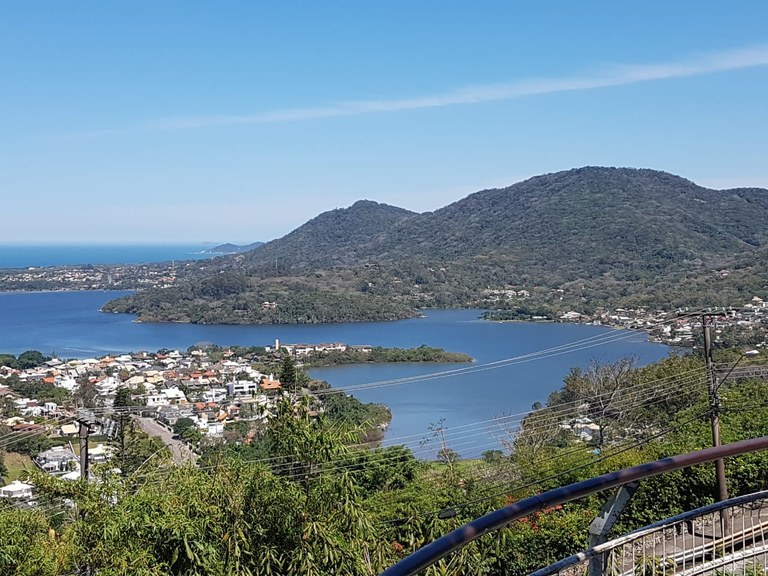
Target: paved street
{"points": [[181, 453]]}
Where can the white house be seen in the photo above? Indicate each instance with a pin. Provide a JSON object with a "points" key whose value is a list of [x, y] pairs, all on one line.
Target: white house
{"points": [[17, 489], [214, 394], [243, 388], [58, 460], [174, 395], [66, 381]]}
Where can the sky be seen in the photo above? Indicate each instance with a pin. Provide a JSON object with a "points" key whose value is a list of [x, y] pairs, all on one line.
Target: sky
{"points": [[148, 122]]}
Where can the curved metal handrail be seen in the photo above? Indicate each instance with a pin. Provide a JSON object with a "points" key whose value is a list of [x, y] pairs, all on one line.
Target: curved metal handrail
{"points": [[645, 530], [432, 552]]}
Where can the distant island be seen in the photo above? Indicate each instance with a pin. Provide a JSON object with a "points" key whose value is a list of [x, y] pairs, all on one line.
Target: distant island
{"points": [[233, 248]]}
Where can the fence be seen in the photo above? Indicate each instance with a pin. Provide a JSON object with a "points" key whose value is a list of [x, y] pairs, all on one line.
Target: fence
{"points": [[725, 538], [432, 552]]}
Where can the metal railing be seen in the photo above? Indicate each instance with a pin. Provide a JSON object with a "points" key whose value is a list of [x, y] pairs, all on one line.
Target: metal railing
{"points": [[689, 544], [434, 551]]}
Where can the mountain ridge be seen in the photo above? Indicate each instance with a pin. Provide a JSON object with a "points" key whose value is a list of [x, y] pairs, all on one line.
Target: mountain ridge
{"points": [[593, 235], [533, 208]]}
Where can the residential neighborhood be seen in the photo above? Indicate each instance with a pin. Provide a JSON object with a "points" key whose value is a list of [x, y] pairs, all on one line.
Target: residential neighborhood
{"points": [[211, 388], [679, 327]]}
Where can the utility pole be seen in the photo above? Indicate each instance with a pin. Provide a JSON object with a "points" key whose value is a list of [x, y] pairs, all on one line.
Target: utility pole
{"points": [[122, 444], [85, 419], [714, 420], [714, 409]]}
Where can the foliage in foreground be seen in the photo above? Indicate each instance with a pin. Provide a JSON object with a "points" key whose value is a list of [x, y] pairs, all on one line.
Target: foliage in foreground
{"points": [[318, 505]]}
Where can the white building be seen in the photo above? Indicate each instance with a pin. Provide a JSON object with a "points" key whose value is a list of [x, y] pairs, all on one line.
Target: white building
{"points": [[17, 489], [174, 395], [214, 394], [243, 387]]}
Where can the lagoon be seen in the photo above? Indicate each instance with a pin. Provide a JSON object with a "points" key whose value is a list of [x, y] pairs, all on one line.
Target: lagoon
{"points": [[516, 364]]}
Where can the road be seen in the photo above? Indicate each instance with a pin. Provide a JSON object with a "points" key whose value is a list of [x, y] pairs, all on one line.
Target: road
{"points": [[179, 450]]}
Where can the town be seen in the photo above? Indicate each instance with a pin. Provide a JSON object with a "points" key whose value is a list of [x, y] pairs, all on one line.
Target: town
{"points": [[749, 323], [188, 399], [746, 324]]}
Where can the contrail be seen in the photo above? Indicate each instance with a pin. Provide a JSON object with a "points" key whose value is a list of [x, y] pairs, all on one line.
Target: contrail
{"points": [[615, 76]]}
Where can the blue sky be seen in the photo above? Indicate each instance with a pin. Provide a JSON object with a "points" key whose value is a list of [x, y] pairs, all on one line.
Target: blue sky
{"points": [[239, 121]]}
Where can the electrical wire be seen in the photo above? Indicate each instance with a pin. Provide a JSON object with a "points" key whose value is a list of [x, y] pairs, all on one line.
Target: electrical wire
{"points": [[471, 437], [511, 488]]}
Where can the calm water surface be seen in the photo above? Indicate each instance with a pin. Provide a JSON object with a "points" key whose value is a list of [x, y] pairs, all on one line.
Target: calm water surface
{"points": [[26, 256], [69, 324]]}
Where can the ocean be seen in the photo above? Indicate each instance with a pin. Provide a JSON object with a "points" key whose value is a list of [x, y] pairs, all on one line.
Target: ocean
{"points": [[38, 255]]}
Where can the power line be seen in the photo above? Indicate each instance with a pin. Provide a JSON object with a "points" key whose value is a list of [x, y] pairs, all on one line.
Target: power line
{"points": [[464, 440], [510, 489], [469, 430]]}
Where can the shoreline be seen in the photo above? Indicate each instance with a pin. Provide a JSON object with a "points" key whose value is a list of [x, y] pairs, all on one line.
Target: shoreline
{"points": [[419, 313]]}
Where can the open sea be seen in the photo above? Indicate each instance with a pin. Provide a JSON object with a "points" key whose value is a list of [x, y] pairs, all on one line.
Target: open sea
{"points": [[26, 256]]}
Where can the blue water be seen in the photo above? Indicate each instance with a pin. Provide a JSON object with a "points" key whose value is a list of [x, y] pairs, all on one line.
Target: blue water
{"points": [[26, 256], [69, 325]]}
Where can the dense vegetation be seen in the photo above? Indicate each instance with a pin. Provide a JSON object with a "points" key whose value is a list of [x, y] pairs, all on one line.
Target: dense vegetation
{"points": [[379, 354], [28, 359], [579, 239], [319, 504], [235, 299]]}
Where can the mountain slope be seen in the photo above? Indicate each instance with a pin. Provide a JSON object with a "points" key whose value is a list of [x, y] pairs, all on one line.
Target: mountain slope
{"points": [[579, 239], [230, 248], [341, 237], [589, 221]]}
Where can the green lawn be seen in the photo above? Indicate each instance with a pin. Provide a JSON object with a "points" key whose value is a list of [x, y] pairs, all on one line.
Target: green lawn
{"points": [[17, 464]]}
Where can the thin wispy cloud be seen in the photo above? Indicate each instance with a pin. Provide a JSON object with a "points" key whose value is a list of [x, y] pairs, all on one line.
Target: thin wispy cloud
{"points": [[615, 76]]}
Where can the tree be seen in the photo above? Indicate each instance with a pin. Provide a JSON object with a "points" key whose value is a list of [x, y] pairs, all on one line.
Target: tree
{"points": [[3, 467], [30, 444], [303, 442], [85, 395], [31, 359], [492, 456], [444, 454], [192, 435], [182, 424], [123, 397], [288, 372], [604, 393], [138, 450]]}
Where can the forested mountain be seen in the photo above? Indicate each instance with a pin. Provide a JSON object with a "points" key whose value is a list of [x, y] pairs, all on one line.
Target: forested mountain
{"points": [[341, 237], [581, 238], [591, 220]]}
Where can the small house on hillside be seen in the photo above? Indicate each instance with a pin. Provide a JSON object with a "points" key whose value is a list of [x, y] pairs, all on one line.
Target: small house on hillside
{"points": [[17, 489]]}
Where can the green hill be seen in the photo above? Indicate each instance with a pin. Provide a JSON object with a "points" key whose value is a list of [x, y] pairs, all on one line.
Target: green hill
{"points": [[343, 237], [579, 239]]}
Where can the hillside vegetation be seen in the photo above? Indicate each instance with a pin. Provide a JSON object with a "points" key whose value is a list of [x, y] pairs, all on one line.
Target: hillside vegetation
{"points": [[577, 239], [306, 498]]}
